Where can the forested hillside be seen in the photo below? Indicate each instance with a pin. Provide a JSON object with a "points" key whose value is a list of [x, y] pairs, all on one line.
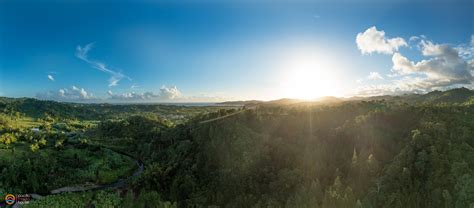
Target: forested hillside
{"points": [[363, 154], [457, 95], [377, 152]]}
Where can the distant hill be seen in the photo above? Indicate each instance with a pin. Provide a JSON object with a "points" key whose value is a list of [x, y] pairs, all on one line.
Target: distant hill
{"points": [[93, 111], [458, 95], [241, 103], [330, 99], [283, 101], [38, 108]]}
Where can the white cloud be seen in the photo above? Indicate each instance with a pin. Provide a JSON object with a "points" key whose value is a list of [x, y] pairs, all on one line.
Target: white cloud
{"points": [[113, 81], [373, 40], [50, 77], [444, 66], [405, 85], [73, 94], [430, 49], [82, 53], [398, 87], [466, 51], [402, 65], [371, 76], [164, 94], [374, 76], [413, 38], [169, 93]]}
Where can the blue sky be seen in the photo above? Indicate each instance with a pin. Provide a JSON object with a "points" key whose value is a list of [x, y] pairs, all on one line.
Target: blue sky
{"points": [[161, 51]]}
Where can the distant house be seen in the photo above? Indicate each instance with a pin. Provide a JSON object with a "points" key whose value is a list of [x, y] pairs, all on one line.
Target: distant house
{"points": [[36, 130]]}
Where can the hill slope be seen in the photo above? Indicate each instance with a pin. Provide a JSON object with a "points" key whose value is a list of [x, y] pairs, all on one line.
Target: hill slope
{"points": [[369, 154]]}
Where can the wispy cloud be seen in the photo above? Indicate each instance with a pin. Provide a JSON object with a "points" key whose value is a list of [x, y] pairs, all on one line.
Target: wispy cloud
{"points": [[82, 53], [374, 75], [466, 51], [50, 77]]}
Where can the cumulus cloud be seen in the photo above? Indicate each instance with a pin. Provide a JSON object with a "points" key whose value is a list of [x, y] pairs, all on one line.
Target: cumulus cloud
{"points": [[73, 94], [374, 76], [164, 94], [50, 77], [374, 41], [169, 93], [443, 67], [115, 76], [404, 85], [402, 65]]}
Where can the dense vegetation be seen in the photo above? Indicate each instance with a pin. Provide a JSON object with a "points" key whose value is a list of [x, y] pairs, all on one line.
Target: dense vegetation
{"points": [[408, 151], [368, 154]]}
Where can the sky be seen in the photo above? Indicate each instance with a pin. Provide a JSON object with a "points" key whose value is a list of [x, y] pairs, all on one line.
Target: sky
{"points": [[211, 51]]}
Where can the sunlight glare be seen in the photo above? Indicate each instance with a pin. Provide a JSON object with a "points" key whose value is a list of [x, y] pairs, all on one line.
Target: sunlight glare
{"points": [[309, 76]]}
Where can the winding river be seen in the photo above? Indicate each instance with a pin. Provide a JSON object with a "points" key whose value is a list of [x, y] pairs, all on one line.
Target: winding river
{"points": [[94, 187]]}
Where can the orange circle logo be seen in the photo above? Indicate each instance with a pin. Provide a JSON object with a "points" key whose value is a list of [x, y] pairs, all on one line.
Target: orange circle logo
{"points": [[10, 199]]}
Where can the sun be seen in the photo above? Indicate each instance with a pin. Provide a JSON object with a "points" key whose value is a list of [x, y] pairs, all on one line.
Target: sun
{"points": [[309, 76]]}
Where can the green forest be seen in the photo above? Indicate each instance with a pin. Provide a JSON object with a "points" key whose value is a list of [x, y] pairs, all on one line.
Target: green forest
{"points": [[387, 151]]}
